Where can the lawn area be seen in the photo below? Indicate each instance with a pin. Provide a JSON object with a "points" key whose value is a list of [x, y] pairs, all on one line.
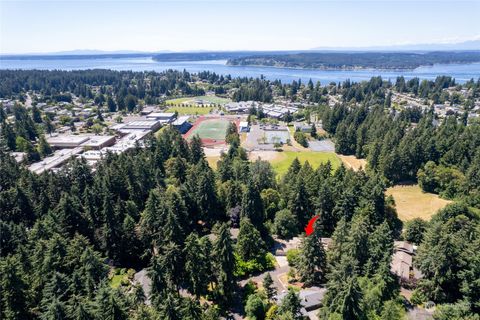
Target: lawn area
{"points": [[285, 158], [193, 100], [190, 110], [211, 129], [116, 280], [412, 202]]}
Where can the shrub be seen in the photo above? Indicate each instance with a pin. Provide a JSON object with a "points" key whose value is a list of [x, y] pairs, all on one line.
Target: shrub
{"points": [[272, 312], [245, 268], [301, 138], [292, 257], [249, 289], [418, 297], [255, 309]]}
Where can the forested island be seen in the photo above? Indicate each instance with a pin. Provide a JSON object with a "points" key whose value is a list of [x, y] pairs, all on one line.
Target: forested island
{"points": [[356, 60]]}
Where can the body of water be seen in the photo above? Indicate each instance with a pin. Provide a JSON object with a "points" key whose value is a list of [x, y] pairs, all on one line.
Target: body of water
{"points": [[461, 72]]}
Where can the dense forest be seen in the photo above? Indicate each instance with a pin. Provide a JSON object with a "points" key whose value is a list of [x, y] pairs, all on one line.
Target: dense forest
{"points": [[125, 86], [155, 208], [410, 145], [162, 209], [360, 60]]}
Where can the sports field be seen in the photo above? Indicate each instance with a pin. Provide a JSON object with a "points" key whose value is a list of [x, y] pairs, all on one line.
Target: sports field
{"points": [[284, 160], [189, 110], [412, 202], [199, 100], [211, 129]]}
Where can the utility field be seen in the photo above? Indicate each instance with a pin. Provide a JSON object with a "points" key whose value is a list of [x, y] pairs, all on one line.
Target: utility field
{"points": [[197, 101], [284, 160], [190, 110], [210, 129], [413, 203]]}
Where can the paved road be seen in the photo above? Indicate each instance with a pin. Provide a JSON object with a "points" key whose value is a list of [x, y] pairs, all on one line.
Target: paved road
{"points": [[275, 274], [238, 314]]}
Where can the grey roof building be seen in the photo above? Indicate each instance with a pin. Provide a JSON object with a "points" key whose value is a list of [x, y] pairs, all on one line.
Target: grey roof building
{"points": [[311, 299]]}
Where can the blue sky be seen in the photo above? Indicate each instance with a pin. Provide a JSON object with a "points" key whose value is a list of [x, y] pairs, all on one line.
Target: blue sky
{"points": [[50, 26]]}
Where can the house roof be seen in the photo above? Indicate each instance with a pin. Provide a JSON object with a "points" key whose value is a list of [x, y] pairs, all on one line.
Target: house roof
{"points": [[403, 246], [144, 280], [310, 298], [401, 264]]}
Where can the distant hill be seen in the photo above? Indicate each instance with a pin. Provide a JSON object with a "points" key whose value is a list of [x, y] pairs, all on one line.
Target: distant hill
{"points": [[459, 46], [214, 55], [357, 60]]}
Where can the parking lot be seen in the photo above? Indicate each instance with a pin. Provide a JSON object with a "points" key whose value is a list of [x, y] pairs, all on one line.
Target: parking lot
{"points": [[259, 139]]}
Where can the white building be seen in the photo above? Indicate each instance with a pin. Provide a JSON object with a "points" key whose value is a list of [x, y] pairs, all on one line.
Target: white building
{"points": [[163, 117], [243, 126], [152, 125]]}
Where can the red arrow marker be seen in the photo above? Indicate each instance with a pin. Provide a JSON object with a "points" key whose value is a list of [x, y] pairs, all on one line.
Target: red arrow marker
{"points": [[309, 227]]}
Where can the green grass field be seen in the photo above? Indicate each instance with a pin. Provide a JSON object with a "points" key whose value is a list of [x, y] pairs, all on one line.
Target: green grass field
{"points": [[192, 100], [190, 110], [211, 129], [285, 158]]}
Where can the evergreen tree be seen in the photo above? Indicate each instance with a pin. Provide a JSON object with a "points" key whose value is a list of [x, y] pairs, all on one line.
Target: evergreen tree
{"points": [[268, 286], [107, 305], [254, 307], [43, 147], [14, 298], [112, 106], [170, 307], [55, 310], [313, 263], [196, 149], [291, 306], [224, 263], [36, 115], [197, 265], [343, 297], [252, 206], [249, 243], [191, 309], [300, 204]]}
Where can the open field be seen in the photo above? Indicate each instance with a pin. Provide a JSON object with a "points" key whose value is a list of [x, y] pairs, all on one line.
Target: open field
{"points": [[194, 100], [190, 110], [412, 202], [285, 158], [211, 129], [351, 162], [265, 155]]}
